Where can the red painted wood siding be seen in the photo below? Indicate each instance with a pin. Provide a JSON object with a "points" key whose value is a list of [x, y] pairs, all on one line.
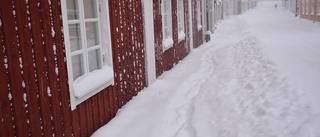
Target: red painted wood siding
{"points": [[167, 59], [34, 92]]}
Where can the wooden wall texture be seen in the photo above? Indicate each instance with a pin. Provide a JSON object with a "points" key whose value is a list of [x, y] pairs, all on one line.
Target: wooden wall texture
{"points": [[34, 96], [165, 60], [308, 14]]}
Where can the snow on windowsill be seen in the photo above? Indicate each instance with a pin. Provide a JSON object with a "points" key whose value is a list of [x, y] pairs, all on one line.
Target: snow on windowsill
{"points": [[199, 26], [181, 36], [167, 43], [92, 81]]}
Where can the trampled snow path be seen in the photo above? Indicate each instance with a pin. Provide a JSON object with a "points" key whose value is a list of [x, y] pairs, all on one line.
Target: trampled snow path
{"points": [[225, 88]]}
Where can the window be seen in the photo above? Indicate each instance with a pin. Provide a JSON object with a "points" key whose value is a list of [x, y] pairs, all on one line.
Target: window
{"points": [[199, 14], [167, 24], [88, 48], [180, 10]]}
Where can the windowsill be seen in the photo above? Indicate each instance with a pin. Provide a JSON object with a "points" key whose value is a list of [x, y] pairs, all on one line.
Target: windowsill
{"points": [[92, 82], [199, 27], [167, 43], [181, 36]]}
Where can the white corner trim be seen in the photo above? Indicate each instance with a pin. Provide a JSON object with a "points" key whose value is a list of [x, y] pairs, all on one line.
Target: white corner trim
{"points": [[190, 24], [149, 41]]}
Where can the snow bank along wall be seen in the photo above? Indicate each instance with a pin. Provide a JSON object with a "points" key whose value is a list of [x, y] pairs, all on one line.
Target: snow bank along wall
{"points": [[34, 87]]}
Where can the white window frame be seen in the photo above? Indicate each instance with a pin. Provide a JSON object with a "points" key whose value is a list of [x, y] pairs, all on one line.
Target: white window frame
{"points": [[90, 83], [199, 14], [167, 41], [180, 20]]}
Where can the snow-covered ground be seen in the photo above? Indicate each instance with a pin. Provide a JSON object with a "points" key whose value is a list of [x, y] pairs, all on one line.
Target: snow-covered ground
{"points": [[259, 76]]}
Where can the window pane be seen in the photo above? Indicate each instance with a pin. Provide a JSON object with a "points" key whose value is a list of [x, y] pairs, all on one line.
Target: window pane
{"points": [[179, 17], [165, 6], [90, 8], [179, 6], [92, 34], [72, 8], [167, 32], [74, 36], [77, 66], [165, 20], [94, 58]]}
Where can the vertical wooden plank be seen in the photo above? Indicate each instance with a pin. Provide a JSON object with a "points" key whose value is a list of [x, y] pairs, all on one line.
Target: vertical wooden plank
{"points": [[128, 9], [128, 44], [134, 49], [6, 123], [14, 70], [95, 112], [112, 14], [28, 68], [40, 68], [89, 116], [62, 69], [75, 123], [52, 77], [82, 119], [125, 52], [137, 56], [138, 24], [143, 73], [106, 104], [115, 13], [112, 109], [101, 108], [121, 48], [128, 38]]}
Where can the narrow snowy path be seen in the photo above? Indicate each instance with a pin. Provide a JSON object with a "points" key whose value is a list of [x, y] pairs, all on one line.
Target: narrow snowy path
{"points": [[294, 46], [228, 87]]}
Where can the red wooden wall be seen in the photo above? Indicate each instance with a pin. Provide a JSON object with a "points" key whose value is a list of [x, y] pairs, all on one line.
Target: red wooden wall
{"points": [[167, 59], [314, 16], [34, 96]]}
